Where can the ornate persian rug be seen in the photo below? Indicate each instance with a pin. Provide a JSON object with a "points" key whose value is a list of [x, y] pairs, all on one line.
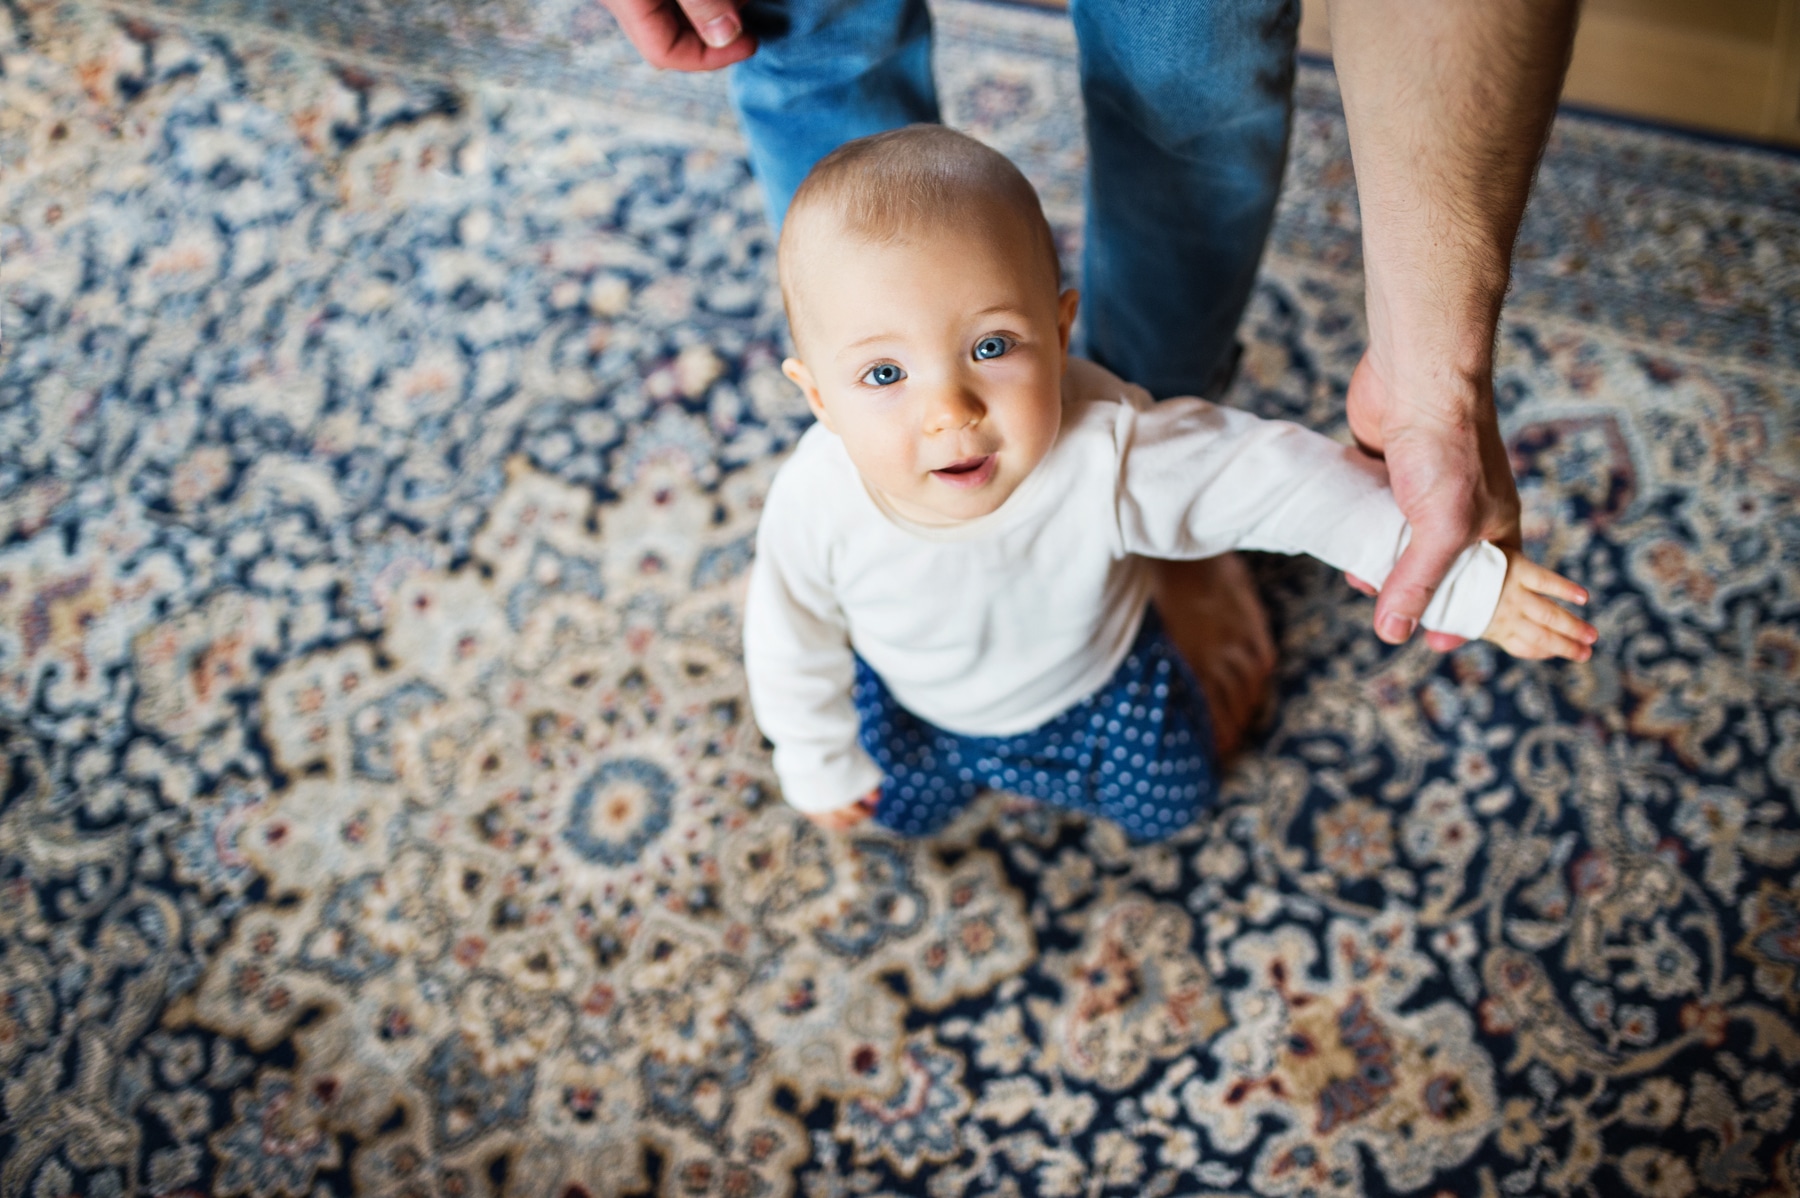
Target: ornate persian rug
{"points": [[380, 811]]}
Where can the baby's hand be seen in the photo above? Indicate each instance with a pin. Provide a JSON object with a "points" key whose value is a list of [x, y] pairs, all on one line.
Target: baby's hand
{"points": [[842, 819], [1527, 624]]}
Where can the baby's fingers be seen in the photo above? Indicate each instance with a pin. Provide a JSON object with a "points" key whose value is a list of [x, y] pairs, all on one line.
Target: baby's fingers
{"points": [[1535, 578], [1549, 631], [1560, 620], [1535, 642]]}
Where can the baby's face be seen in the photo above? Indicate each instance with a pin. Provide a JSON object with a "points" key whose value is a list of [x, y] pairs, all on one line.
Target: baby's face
{"points": [[938, 360]]}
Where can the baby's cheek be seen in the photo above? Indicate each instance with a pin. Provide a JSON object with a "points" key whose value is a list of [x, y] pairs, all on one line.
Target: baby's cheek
{"points": [[884, 454], [894, 447], [1034, 431]]}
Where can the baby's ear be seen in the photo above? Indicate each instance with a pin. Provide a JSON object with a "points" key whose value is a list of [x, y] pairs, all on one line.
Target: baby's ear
{"points": [[802, 378], [1066, 305]]}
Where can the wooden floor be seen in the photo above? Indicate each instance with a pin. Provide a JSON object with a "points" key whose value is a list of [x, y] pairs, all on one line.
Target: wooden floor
{"points": [[1723, 66], [1737, 71]]}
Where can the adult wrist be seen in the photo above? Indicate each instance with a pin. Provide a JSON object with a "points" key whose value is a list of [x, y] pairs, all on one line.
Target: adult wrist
{"points": [[1443, 312], [1453, 367]]}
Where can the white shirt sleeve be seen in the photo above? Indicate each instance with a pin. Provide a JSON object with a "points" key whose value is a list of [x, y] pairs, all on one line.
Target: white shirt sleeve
{"points": [[798, 661], [1197, 479]]}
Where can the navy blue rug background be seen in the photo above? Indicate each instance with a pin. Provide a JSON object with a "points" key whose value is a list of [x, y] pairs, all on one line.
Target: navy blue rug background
{"points": [[380, 447]]}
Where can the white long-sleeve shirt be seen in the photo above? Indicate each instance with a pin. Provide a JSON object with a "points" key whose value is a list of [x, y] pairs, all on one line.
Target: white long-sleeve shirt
{"points": [[994, 626]]}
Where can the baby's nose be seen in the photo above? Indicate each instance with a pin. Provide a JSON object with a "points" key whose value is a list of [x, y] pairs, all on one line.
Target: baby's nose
{"points": [[953, 408]]}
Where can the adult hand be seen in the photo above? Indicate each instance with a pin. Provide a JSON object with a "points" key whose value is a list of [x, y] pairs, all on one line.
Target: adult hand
{"points": [[1449, 471], [692, 35], [1447, 107]]}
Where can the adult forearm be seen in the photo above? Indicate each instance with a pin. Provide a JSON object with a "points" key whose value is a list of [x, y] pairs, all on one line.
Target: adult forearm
{"points": [[1448, 104]]}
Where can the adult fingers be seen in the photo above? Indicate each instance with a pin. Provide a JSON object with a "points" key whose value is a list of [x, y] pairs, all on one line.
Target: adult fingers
{"points": [[1358, 584], [716, 21], [668, 36], [1496, 493]]}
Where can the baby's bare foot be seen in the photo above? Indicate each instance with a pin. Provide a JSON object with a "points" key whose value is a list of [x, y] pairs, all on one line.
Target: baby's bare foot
{"points": [[1217, 621], [842, 819]]}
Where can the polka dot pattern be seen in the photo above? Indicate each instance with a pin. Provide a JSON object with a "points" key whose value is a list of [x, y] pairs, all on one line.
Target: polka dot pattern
{"points": [[1138, 751]]}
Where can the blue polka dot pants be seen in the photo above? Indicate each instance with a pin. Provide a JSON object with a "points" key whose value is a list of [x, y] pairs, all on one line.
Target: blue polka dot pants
{"points": [[1138, 751]]}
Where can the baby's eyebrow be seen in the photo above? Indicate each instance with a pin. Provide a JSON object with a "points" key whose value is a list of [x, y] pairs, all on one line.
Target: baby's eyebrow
{"points": [[861, 341], [884, 335]]}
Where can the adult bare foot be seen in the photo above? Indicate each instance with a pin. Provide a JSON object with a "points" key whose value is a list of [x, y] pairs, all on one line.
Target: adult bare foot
{"points": [[1217, 621]]}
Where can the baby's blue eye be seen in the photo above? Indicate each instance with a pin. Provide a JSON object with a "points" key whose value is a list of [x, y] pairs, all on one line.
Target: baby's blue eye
{"points": [[884, 375], [991, 347]]}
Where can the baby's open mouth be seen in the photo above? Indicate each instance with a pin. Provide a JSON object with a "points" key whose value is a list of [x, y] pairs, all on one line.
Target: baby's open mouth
{"points": [[970, 472]]}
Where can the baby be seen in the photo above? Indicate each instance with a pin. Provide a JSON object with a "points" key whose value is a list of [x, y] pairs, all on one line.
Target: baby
{"points": [[950, 593]]}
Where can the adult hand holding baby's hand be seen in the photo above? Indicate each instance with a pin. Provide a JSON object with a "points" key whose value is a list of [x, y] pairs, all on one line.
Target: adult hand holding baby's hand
{"points": [[692, 35], [1449, 473], [843, 819], [1528, 624]]}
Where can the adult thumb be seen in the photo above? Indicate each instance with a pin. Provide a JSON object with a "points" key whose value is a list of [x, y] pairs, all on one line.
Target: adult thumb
{"points": [[1413, 581]]}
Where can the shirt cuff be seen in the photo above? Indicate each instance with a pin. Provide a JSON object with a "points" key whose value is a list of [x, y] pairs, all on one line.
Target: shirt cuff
{"points": [[1465, 601], [826, 783]]}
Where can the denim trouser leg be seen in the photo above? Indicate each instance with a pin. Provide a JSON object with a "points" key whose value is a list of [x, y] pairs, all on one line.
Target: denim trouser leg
{"points": [[824, 72], [1188, 108]]}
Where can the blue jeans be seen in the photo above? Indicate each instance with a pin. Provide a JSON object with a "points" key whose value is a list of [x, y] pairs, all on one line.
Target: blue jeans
{"points": [[1188, 105]]}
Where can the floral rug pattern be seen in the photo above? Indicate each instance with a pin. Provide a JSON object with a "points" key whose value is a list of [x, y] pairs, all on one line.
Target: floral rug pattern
{"points": [[380, 811]]}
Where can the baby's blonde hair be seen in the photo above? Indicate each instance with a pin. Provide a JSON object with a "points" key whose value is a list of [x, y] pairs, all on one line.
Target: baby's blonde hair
{"points": [[913, 180]]}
